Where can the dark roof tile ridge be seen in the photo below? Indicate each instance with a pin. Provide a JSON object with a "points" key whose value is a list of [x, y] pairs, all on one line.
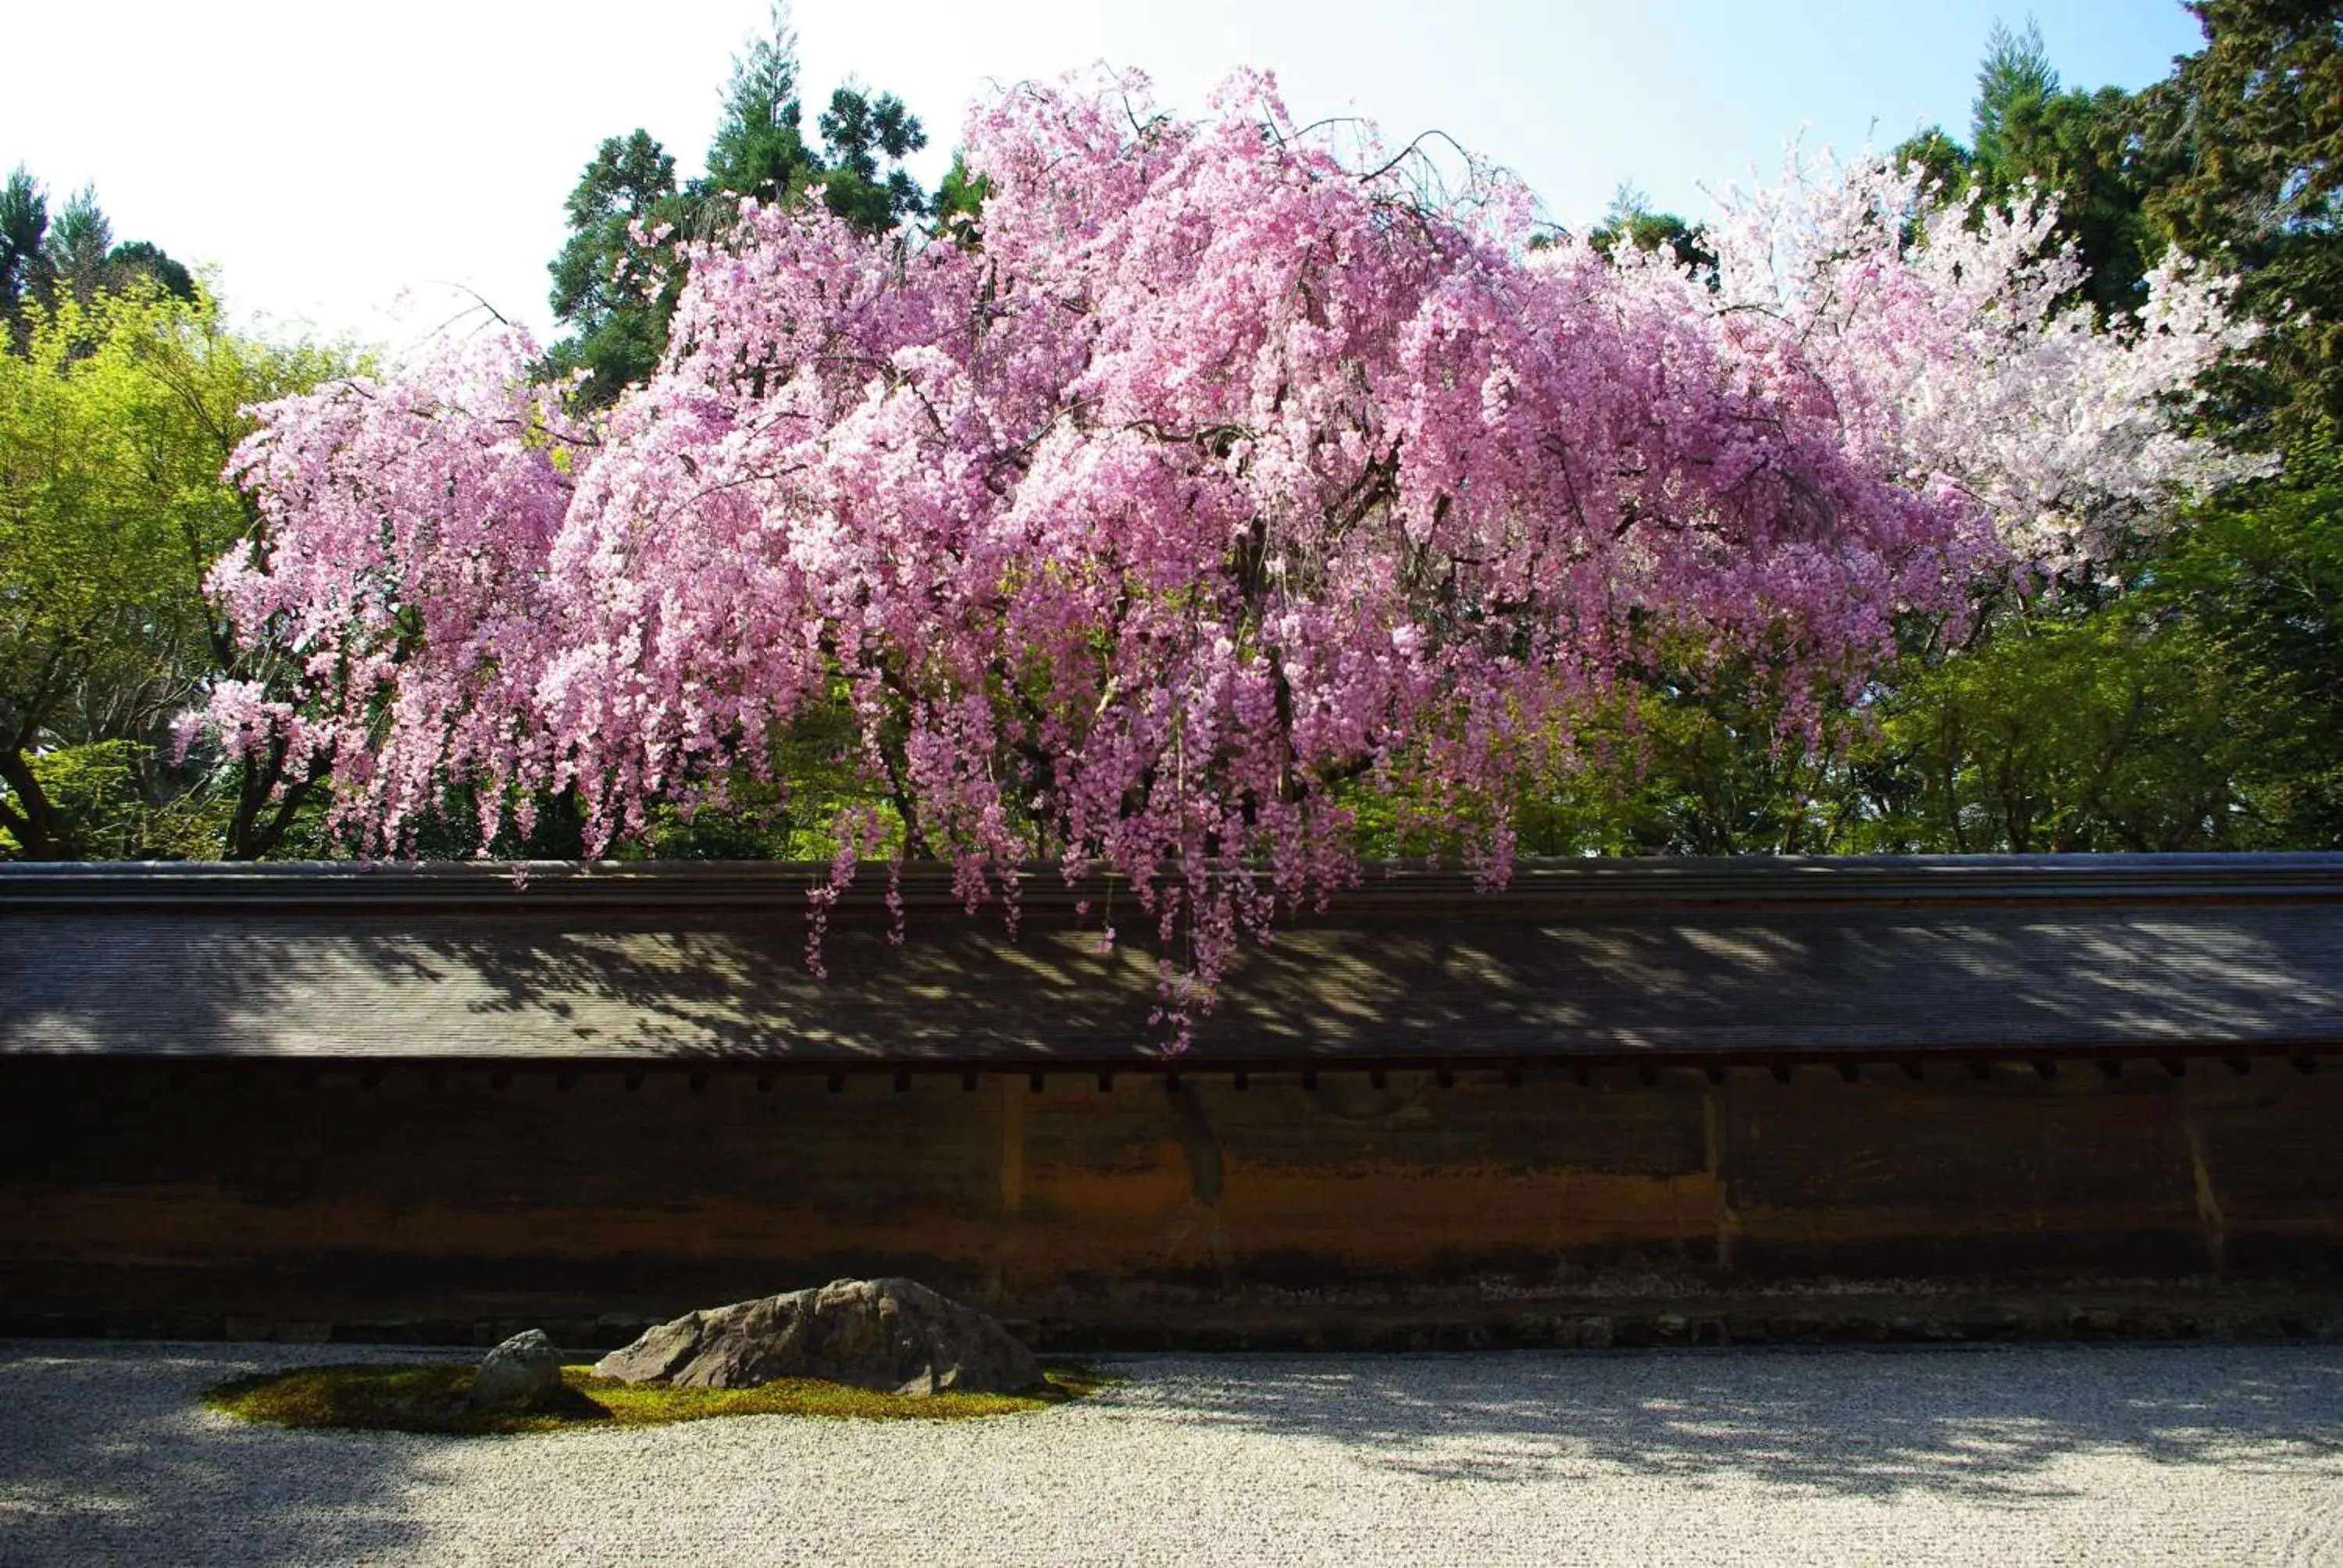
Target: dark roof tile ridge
{"points": [[1756, 881]]}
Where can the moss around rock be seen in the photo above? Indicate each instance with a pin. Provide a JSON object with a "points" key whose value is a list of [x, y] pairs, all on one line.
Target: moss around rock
{"points": [[434, 1398]]}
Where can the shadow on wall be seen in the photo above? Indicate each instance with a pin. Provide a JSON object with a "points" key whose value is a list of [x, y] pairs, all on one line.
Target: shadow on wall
{"points": [[1983, 1424], [524, 984]]}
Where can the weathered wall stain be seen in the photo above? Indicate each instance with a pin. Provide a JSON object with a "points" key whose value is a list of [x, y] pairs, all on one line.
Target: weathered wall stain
{"points": [[110, 1182], [1200, 1214]]}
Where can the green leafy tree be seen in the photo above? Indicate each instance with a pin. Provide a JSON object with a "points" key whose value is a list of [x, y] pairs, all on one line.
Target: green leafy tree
{"points": [[127, 262], [2252, 126], [616, 281], [27, 275], [77, 250], [2030, 133], [2112, 730], [80, 239], [2259, 580], [2175, 696], [2015, 81], [759, 148], [867, 139], [114, 425]]}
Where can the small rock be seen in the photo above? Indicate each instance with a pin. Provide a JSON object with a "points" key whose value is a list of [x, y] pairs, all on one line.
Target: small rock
{"points": [[885, 1334], [524, 1367]]}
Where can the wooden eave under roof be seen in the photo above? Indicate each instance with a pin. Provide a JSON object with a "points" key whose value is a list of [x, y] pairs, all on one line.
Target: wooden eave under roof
{"points": [[1719, 962]]}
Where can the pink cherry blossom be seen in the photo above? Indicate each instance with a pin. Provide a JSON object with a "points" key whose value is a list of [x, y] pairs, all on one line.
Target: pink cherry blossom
{"points": [[1213, 474]]}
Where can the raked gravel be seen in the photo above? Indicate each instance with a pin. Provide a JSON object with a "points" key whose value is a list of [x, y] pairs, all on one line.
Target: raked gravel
{"points": [[2120, 1454]]}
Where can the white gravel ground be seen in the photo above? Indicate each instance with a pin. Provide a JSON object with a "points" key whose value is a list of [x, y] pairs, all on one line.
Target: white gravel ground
{"points": [[2120, 1455]]}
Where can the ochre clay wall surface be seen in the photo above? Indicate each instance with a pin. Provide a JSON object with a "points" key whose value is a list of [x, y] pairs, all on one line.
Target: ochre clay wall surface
{"points": [[180, 1199]]}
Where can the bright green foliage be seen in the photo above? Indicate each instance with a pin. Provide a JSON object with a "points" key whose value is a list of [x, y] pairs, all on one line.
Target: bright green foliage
{"points": [[118, 804], [1714, 776], [114, 425], [2106, 731], [2015, 80], [88, 521], [2131, 727], [2197, 706], [759, 148]]}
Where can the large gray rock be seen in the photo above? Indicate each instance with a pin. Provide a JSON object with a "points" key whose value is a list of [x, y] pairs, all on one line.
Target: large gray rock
{"points": [[524, 1367], [872, 1333]]}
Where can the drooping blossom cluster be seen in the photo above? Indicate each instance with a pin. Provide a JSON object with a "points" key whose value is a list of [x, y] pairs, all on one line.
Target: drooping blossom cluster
{"points": [[402, 561], [1208, 475]]}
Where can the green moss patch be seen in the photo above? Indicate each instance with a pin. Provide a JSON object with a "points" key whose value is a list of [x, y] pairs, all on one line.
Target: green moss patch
{"points": [[431, 1398]]}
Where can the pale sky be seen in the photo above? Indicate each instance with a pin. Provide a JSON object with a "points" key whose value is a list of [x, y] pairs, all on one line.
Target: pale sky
{"points": [[344, 167]]}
